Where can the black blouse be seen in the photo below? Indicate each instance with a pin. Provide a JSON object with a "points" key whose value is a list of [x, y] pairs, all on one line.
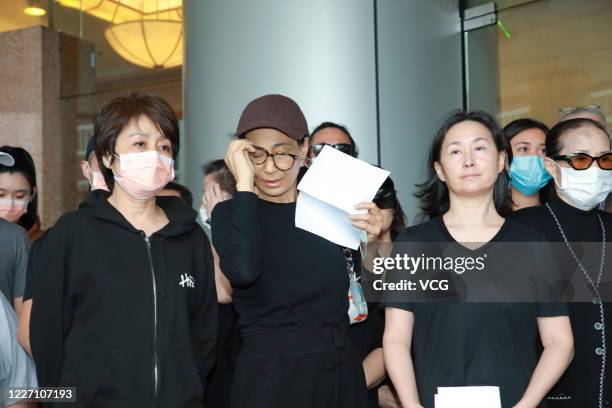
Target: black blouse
{"points": [[474, 344], [579, 387], [282, 276]]}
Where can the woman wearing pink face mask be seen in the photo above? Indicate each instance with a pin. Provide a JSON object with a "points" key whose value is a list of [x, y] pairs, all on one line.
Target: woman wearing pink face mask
{"points": [[124, 304], [18, 200]]}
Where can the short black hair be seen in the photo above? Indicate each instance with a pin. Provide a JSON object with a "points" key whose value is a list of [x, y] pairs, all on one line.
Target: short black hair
{"points": [[119, 112], [183, 191], [24, 164], [433, 193], [554, 143], [342, 128], [517, 126]]}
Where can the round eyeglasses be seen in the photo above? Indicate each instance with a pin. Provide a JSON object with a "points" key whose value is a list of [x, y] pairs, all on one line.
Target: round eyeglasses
{"points": [[282, 161]]}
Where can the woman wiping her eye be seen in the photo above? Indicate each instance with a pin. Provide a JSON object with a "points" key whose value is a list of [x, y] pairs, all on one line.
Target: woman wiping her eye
{"points": [[289, 286]]}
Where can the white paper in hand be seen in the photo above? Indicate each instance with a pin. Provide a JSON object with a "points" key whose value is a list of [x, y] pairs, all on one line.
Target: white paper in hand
{"points": [[467, 397], [330, 189]]}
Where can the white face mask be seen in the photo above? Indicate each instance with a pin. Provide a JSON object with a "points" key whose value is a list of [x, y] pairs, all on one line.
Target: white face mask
{"points": [[584, 189]]}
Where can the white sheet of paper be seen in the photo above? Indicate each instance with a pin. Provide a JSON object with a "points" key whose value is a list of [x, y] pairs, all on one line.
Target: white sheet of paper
{"points": [[326, 221], [341, 180], [330, 189], [468, 397]]}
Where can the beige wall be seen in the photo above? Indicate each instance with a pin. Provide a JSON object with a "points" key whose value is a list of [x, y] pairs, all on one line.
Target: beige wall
{"points": [[38, 67], [29, 98], [560, 55]]}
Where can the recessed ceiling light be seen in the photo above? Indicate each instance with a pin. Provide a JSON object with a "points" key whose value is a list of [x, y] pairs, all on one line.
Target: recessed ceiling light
{"points": [[35, 11]]}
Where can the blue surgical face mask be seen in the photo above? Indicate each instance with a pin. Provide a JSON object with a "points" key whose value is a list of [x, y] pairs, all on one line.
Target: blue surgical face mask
{"points": [[528, 175]]}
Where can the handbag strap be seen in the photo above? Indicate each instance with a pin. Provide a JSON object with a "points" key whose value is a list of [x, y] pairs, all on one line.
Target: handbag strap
{"points": [[350, 264]]}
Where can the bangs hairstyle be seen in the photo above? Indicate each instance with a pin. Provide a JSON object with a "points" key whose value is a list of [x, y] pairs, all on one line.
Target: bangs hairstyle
{"points": [[433, 193], [119, 113], [554, 142], [24, 164], [517, 126]]}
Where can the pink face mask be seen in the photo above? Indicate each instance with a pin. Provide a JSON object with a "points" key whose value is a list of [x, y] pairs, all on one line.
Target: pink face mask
{"points": [[97, 180], [143, 175], [11, 210]]}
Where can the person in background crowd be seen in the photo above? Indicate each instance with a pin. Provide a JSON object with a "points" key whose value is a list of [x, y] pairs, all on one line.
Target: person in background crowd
{"points": [[18, 198], [90, 168], [173, 189], [289, 286], [595, 113], [124, 304], [219, 185], [14, 249], [429, 344], [579, 158], [334, 135], [367, 335], [16, 367], [525, 140], [592, 112]]}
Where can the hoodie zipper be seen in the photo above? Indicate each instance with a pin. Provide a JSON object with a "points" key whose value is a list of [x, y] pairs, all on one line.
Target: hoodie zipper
{"points": [[155, 358]]}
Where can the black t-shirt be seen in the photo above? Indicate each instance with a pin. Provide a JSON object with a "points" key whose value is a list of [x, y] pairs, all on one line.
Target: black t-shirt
{"points": [[474, 344], [282, 276], [580, 383]]}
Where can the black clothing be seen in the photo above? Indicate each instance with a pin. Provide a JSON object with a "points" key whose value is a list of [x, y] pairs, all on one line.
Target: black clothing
{"points": [[292, 285], [471, 344], [218, 387], [129, 320], [579, 386], [367, 335]]}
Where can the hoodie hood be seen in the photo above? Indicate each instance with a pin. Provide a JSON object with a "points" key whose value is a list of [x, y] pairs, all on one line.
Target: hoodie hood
{"points": [[182, 217]]}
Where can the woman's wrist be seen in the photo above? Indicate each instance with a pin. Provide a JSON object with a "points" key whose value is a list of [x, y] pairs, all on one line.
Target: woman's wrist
{"points": [[245, 186]]}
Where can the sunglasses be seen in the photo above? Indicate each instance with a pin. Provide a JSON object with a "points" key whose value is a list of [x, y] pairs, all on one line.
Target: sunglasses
{"points": [[345, 148], [384, 199], [582, 161], [573, 109]]}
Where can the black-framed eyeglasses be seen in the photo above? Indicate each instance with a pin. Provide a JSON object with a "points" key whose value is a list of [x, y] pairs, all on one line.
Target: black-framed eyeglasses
{"points": [[582, 161], [346, 148], [282, 161]]}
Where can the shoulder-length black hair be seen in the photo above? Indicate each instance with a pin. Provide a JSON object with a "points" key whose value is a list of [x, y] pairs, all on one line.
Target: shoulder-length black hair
{"points": [[24, 164], [433, 193]]}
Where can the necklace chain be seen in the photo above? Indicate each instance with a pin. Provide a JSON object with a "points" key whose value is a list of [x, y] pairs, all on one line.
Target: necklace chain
{"points": [[595, 289]]}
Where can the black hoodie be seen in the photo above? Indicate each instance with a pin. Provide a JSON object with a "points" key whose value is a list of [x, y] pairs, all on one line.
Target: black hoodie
{"points": [[130, 321]]}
